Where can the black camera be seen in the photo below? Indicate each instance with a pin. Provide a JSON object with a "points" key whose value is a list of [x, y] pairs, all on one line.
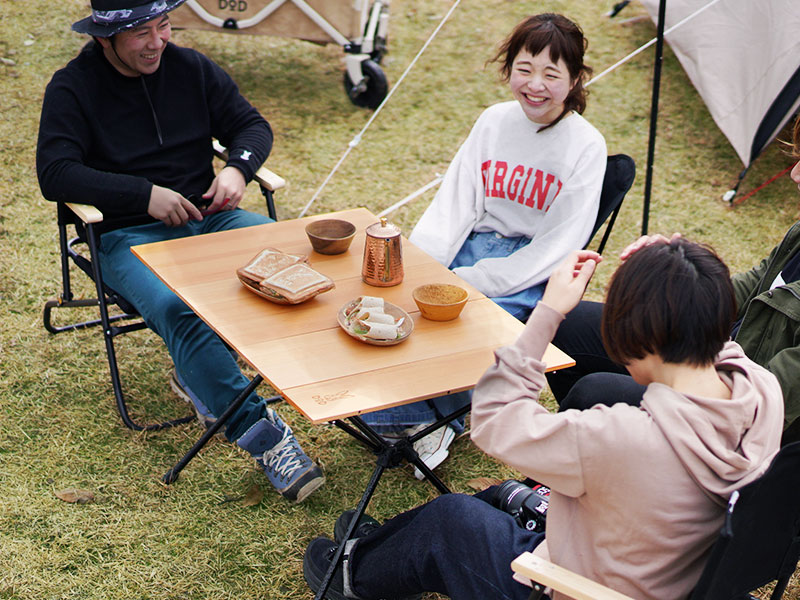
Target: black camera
{"points": [[528, 505]]}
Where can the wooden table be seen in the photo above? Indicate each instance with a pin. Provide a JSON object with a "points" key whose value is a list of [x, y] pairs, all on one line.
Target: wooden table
{"points": [[307, 358], [301, 350]]}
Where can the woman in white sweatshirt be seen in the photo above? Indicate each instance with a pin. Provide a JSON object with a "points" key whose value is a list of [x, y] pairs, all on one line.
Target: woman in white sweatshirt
{"points": [[521, 193]]}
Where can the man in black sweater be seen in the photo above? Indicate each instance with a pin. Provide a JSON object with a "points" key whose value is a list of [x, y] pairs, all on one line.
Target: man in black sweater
{"points": [[127, 126]]}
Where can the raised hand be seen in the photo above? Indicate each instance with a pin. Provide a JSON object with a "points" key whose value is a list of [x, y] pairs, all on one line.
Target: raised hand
{"points": [[568, 281], [646, 240]]}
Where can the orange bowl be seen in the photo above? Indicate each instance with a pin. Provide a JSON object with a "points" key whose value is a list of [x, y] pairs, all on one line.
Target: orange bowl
{"points": [[330, 236], [440, 301]]}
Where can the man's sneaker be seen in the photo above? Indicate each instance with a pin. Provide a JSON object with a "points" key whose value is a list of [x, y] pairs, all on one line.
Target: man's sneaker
{"points": [[365, 526], [287, 467], [433, 448], [183, 392]]}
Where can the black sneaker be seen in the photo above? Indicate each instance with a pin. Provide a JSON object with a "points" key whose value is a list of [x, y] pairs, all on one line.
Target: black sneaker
{"points": [[316, 561], [365, 526]]}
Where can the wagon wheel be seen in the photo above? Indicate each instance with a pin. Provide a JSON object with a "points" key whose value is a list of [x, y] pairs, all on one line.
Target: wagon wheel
{"points": [[370, 92]]}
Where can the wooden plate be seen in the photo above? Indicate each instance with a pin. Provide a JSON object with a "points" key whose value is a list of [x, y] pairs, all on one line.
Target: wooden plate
{"points": [[405, 329]]}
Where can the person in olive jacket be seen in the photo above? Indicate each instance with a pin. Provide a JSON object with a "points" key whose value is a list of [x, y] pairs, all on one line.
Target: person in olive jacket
{"points": [[767, 328]]}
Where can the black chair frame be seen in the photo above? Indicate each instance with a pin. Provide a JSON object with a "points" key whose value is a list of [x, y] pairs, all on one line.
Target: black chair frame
{"points": [[87, 234], [620, 173]]}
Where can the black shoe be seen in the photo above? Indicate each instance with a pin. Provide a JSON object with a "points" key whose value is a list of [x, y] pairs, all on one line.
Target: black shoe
{"points": [[365, 526], [316, 562]]}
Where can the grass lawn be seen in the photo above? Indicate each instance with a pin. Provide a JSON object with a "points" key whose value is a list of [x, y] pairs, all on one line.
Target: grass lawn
{"points": [[202, 538]]}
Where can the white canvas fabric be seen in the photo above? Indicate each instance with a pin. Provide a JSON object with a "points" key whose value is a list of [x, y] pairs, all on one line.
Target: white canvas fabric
{"points": [[739, 55]]}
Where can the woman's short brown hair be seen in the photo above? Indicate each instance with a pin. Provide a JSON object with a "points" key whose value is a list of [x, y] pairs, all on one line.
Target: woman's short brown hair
{"points": [[674, 300], [565, 40]]}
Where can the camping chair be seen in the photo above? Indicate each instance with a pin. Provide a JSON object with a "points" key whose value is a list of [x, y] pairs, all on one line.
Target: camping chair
{"points": [[620, 173], [89, 224], [759, 543]]}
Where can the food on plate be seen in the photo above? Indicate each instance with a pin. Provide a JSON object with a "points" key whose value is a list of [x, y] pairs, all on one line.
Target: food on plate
{"points": [[296, 283], [283, 278], [268, 262], [366, 317]]}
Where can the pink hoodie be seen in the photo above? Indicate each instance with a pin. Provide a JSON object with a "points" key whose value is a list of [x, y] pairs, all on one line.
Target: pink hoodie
{"points": [[638, 493]]}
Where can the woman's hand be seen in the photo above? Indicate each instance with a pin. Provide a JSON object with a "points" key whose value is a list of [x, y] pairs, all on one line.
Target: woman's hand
{"points": [[646, 240], [568, 281]]}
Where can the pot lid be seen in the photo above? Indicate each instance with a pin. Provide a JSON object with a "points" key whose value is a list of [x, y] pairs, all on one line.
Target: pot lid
{"points": [[383, 230]]}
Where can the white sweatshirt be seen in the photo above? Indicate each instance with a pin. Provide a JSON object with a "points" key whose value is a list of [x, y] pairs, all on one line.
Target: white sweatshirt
{"points": [[509, 178]]}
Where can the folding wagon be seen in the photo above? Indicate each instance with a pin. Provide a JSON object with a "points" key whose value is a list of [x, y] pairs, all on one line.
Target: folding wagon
{"points": [[359, 26]]}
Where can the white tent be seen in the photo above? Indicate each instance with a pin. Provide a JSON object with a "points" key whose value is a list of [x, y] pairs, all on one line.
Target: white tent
{"points": [[743, 56]]}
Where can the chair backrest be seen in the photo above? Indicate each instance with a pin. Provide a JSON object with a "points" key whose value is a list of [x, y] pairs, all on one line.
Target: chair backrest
{"points": [[620, 173], [760, 540]]}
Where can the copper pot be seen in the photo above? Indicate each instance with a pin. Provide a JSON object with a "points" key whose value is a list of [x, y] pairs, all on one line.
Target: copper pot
{"points": [[383, 255]]}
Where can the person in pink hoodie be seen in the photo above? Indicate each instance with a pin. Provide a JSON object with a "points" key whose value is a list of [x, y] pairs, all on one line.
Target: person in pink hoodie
{"points": [[638, 493]]}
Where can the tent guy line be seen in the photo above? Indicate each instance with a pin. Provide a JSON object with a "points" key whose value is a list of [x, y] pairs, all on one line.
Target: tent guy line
{"points": [[357, 139]]}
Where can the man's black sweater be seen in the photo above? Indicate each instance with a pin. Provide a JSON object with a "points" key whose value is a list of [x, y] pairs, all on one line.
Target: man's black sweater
{"points": [[105, 139]]}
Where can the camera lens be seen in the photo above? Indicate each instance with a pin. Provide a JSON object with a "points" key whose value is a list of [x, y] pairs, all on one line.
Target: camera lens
{"points": [[510, 495]]}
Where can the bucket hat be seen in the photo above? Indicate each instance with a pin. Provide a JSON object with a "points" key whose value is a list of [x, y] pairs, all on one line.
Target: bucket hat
{"points": [[109, 17]]}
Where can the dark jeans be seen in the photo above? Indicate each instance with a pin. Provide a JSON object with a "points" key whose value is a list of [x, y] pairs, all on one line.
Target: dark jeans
{"points": [[456, 545], [595, 378]]}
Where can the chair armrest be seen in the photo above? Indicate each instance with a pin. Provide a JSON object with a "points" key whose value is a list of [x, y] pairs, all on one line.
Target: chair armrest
{"points": [[264, 177], [86, 212], [562, 580]]}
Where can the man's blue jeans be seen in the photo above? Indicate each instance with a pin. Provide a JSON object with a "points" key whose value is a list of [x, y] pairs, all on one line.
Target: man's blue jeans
{"points": [[201, 358], [456, 545], [520, 305]]}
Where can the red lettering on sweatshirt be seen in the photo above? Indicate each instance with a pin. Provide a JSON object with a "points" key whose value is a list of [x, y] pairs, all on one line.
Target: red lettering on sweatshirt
{"points": [[537, 193], [513, 182], [500, 181], [485, 175]]}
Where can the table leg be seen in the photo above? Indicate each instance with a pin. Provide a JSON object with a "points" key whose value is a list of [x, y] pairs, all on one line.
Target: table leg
{"points": [[173, 473], [389, 455], [360, 509]]}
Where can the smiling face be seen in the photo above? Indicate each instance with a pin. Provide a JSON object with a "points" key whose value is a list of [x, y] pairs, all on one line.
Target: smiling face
{"points": [[138, 51], [540, 85]]}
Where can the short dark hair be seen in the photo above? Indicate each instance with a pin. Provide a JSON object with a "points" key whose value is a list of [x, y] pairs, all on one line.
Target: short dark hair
{"points": [[674, 300], [565, 40]]}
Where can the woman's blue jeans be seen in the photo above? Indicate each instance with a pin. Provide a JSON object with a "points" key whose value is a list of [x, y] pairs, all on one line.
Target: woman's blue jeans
{"points": [[201, 358], [457, 545], [520, 305]]}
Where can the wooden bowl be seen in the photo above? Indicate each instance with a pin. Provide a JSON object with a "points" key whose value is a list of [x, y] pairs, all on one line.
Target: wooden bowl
{"points": [[330, 236], [440, 301]]}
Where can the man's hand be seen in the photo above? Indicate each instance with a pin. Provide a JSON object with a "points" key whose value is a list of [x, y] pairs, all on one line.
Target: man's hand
{"points": [[171, 208], [226, 191], [568, 281], [646, 240]]}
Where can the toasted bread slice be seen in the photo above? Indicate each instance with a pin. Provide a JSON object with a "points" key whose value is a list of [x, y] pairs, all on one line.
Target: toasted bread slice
{"points": [[268, 262], [296, 283]]}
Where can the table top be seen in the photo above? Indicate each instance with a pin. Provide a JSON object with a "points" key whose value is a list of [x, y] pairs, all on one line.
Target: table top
{"points": [[302, 351]]}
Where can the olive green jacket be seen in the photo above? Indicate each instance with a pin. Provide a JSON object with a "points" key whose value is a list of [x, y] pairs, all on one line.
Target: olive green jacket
{"points": [[770, 329]]}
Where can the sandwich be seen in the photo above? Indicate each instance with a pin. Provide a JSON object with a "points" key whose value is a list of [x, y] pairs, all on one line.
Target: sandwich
{"points": [[367, 317], [267, 262], [283, 278], [296, 283]]}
